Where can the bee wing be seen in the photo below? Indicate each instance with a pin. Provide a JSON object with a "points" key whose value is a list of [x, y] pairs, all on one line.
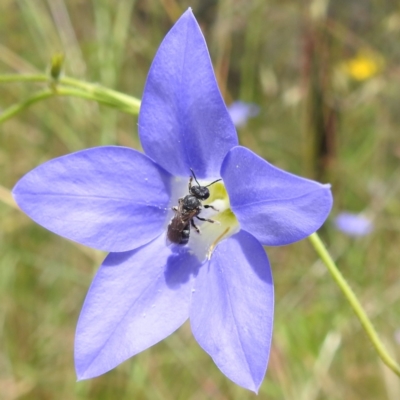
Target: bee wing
{"points": [[180, 222], [175, 228]]}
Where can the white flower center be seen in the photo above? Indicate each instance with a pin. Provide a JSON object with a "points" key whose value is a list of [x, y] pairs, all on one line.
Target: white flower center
{"points": [[226, 224]]}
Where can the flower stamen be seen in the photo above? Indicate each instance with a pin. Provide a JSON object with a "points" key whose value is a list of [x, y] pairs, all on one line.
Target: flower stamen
{"points": [[214, 244]]}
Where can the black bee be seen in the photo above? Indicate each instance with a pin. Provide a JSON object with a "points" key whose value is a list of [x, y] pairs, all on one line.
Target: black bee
{"points": [[189, 207]]}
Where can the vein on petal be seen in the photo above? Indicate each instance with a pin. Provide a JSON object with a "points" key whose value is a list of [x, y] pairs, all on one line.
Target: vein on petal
{"points": [[129, 200], [120, 322], [181, 131], [253, 203], [235, 324]]}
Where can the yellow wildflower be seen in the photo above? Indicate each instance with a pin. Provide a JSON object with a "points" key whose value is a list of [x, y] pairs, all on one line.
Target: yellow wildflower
{"points": [[363, 66]]}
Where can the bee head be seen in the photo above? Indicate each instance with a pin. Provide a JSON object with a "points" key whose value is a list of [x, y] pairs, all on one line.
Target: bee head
{"points": [[200, 192]]}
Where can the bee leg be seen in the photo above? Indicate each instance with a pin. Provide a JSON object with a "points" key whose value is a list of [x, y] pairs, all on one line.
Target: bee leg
{"points": [[195, 226], [208, 220], [208, 206], [179, 202]]}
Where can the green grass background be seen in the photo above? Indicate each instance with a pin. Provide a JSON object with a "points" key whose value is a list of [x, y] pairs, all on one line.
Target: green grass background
{"points": [[315, 120]]}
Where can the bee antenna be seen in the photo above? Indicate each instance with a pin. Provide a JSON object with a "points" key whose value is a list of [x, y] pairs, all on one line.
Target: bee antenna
{"points": [[194, 176], [214, 182]]}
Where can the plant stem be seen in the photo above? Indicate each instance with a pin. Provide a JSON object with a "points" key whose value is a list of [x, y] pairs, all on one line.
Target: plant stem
{"points": [[6, 198], [355, 304], [16, 108], [101, 91], [11, 78], [61, 91], [64, 85]]}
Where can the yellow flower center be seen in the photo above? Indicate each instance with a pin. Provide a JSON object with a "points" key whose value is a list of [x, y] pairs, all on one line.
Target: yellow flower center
{"points": [[226, 224]]}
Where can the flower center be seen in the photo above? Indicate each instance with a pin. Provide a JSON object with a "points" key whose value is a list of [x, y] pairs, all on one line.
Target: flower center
{"points": [[226, 224]]}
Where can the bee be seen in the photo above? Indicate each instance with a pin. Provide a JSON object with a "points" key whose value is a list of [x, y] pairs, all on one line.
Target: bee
{"points": [[189, 207]]}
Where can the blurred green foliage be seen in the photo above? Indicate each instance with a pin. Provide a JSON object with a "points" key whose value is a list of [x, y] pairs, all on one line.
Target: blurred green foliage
{"points": [[326, 76]]}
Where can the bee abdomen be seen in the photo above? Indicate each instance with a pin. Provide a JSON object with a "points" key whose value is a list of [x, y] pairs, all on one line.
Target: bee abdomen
{"points": [[185, 234]]}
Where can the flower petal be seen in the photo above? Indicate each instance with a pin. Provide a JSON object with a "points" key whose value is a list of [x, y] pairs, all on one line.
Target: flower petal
{"points": [[136, 299], [183, 121], [232, 309], [110, 198], [240, 112], [276, 207], [354, 224]]}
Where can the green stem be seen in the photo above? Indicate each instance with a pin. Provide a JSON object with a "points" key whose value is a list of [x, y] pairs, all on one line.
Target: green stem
{"points": [[6, 197], [11, 78], [355, 304], [87, 90], [99, 90], [16, 108], [60, 91]]}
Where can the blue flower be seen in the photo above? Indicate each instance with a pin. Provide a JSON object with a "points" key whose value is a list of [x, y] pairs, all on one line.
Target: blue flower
{"points": [[119, 200], [240, 112], [354, 224]]}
